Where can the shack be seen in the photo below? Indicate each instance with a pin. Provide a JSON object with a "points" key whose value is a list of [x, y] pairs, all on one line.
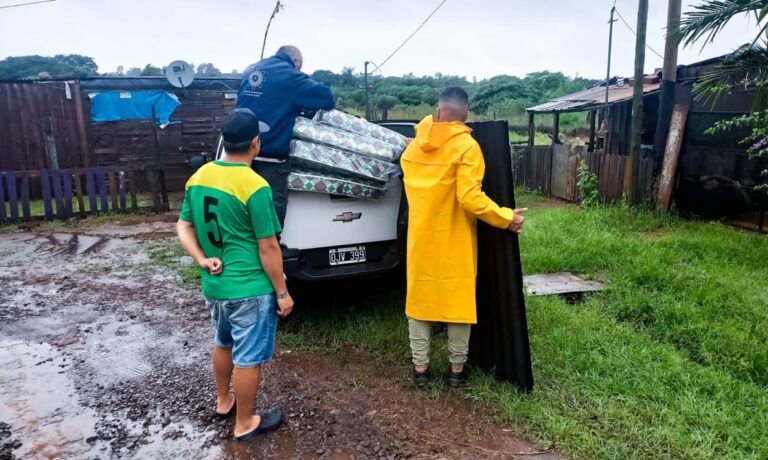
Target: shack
{"points": [[715, 177], [140, 122]]}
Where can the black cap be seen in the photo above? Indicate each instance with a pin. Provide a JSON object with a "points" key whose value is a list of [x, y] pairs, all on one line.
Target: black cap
{"points": [[239, 128]]}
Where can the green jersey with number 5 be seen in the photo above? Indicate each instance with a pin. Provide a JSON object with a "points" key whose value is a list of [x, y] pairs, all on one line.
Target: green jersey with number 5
{"points": [[231, 208]]}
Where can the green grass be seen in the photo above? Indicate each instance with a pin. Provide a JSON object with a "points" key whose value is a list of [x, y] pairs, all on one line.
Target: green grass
{"points": [[668, 362], [539, 139], [700, 287], [170, 254]]}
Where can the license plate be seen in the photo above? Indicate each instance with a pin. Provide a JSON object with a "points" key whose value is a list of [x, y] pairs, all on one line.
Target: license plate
{"points": [[343, 256]]}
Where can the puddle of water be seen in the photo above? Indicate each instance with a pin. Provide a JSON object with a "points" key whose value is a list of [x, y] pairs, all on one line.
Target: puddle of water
{"points": [[37, 399], [176, 440], [116, 351]]}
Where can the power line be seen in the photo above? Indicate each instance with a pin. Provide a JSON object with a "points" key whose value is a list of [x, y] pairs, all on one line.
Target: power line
{"points": [[25, 4], [410, 36], [635, 33]]}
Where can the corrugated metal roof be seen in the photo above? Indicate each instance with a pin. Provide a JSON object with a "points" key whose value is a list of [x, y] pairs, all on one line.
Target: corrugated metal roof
{"points": [[591, 97]]}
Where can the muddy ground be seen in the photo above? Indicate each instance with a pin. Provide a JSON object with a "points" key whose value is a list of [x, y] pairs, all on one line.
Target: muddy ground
{"points": [[105, 354]]}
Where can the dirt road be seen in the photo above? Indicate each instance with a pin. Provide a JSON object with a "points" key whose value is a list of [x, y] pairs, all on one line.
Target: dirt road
{"points": [[105, 354]]}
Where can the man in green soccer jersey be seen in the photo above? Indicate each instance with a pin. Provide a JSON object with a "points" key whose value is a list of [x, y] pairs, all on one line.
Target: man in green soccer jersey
{"points": [[228, 225]]}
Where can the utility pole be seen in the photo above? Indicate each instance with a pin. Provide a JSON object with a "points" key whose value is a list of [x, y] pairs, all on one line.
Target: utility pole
{"points": [[669, 77], [610, 42], [278, 7], [367, 103], [637, 102]]}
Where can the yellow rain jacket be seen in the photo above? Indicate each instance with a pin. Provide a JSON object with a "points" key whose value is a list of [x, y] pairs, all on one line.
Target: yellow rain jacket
{"points": [[443, 169]]}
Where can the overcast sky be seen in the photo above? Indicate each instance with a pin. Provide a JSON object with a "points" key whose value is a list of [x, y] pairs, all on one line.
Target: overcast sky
{"points": [[478, 38]]}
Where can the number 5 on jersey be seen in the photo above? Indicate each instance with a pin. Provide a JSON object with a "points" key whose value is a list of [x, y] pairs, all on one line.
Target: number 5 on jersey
{"points": [[209, 205]]}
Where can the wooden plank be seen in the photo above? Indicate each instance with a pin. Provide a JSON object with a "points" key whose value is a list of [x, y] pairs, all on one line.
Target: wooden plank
{"points": [[121, 189], [619, 184], [627, 184], [132, 186], [58, 194], [90, 185], [67, 180], [548, 170], [79, 193], [672, 156], [2, 198], [101, 182], [602, 163], [25, 198], [113, 188], [46, 180], [154, 176], [13, 199], [610, 183], [648, 176]]}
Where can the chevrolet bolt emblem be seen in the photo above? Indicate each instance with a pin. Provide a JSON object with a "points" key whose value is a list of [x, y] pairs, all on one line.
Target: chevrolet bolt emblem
{"points": [[347, 217]]}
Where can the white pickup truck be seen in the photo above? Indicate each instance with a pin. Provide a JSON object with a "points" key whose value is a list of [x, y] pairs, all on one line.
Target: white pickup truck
{"points": [[333, 236]]}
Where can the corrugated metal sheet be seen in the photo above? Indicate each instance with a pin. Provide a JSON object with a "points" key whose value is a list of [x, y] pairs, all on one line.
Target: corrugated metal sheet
{"points": [[591, 98], [500, 338]]}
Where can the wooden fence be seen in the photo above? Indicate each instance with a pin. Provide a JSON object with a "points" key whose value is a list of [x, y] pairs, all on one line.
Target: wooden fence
{"points": [[553, 171], [92, 190]]}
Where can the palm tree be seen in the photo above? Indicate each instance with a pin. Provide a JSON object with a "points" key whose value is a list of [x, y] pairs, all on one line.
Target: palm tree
{"points": [[748, 66]]}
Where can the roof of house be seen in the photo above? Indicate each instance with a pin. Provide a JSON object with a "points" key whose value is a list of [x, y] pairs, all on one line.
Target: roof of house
{"points": [[591, 98]]}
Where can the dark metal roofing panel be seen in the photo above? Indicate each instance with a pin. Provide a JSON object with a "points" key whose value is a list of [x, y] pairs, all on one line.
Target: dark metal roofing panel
{"points": [[591, 98]]}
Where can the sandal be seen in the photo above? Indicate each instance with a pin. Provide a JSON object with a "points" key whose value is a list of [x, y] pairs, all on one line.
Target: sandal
{"points": [[229, 412], [457, 379], [270, 421], [421, 379]]}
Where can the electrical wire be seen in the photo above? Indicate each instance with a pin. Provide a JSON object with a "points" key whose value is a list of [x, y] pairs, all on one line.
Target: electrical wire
{"points": [[635, 33], [25, 4], [410, 36]]}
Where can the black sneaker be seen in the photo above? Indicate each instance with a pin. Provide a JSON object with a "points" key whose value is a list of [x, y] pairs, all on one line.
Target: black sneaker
{"points": [[457, 379], [421, 379]]}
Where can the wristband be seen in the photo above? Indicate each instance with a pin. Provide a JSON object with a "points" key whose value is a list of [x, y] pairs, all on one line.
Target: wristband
{"points": [[282, 295]]}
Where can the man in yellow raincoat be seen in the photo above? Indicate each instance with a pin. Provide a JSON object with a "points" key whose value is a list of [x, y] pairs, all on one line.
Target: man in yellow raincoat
{"points": [[443, 170]]}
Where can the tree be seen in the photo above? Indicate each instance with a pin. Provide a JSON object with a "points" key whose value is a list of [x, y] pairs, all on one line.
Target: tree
{"points": [[325, 76], [59, 66], [133, 72], [748, 66], [151, 71], [347, 77], [207, 69], [385, 103]]}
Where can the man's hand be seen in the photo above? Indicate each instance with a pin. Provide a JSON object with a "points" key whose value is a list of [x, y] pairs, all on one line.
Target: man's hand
{"points": [[212, 265], [284, 306], [517, 222]]}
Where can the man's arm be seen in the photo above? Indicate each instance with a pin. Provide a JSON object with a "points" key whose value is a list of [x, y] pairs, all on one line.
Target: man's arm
{"points": [[311, 95], [272, 261], [469, 192], [265, 227], [188, 239]]}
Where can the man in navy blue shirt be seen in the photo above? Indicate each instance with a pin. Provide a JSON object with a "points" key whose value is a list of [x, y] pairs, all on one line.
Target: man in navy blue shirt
{"points": [[277, 91]]}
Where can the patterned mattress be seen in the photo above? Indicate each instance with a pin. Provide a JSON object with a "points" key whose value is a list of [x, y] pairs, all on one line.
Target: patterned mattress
{"points": [[357, 125], [318, 133], [309, 181], [324, 159]]}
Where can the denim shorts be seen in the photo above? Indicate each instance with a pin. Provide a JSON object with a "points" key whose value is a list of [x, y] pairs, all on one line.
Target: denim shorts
{"points": [[247, 326]]}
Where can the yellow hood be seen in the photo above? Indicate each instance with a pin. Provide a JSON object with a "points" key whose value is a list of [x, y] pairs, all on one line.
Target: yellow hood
{"points": [[432, 135]]}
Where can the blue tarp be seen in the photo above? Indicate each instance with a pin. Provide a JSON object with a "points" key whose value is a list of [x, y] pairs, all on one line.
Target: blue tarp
{"points": [[133, 105]]}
